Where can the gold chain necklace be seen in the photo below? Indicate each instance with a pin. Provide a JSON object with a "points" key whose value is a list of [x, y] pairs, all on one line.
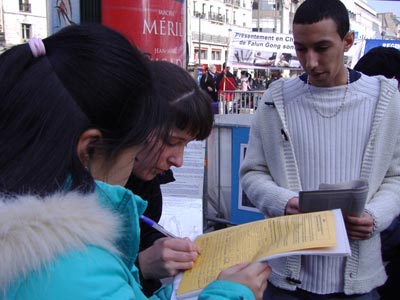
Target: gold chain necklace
{"points": [[341, 104]]}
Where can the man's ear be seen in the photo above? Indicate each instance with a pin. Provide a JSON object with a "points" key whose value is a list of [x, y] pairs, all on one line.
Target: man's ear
{"points": [[348, 40], [85, 144]]}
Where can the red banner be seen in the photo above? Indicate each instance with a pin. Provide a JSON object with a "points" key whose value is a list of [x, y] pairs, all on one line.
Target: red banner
{"points": [[157, 27]]}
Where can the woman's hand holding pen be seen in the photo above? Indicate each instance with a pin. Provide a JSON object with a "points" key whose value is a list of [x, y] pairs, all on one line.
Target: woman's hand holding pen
{"points": [[167, 256]]}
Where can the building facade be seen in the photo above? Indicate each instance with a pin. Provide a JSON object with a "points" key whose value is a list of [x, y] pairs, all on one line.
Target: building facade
{"points": [[209, 23], [390, 26], [23, 19], [2, 37]]}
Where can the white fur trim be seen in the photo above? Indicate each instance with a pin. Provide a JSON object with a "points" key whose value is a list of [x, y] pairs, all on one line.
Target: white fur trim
{"points": [[33, 231]]}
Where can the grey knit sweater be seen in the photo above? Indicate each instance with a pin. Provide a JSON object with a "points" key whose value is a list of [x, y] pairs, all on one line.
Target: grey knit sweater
{"points": [[339, 119], [271, 173]]}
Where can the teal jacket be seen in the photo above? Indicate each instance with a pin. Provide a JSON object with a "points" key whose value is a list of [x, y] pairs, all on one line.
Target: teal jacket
{"points": [[82, 247]]}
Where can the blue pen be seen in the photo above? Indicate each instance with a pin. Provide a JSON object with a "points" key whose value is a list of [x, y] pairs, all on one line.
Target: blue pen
{"points": [[157, 226]]}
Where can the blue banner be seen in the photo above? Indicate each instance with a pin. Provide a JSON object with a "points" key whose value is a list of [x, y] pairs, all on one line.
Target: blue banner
{"points": [[369, 44]]}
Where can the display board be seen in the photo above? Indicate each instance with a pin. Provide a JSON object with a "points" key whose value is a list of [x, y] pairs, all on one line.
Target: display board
{"points": [[262, 50], [274, 50], [242, 210]]}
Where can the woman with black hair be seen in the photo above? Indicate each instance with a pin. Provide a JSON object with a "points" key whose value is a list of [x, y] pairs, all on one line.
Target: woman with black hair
{"points": [[75, 107]]}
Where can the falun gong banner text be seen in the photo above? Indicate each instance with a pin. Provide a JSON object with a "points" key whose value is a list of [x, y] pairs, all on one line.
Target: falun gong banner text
{"points": [[262, 50], [156, 27]]}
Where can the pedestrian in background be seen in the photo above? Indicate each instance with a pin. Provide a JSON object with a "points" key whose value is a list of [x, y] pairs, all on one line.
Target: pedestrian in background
{"points": [[226, 82], [275, 75], [226, 85], [245, 81], [208, 82]]}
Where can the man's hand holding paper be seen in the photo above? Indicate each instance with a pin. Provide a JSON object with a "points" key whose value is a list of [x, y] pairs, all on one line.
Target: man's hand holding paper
{"points": [[359, 228]]}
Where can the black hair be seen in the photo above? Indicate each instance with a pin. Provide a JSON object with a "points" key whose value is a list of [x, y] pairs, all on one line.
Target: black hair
{"points": [[313, 11], [90, 77], [380, 61], [190, 108]]}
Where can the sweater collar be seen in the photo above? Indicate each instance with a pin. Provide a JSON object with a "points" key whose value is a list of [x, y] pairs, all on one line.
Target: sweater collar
{"points": [[354, 76]]}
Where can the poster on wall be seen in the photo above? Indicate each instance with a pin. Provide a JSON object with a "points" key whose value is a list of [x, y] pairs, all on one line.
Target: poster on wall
{"points": [[63, 13], [156, 27], [262, 50]]}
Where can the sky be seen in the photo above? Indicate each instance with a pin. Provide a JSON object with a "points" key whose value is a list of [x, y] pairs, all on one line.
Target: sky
{"points": [[385, 6]]}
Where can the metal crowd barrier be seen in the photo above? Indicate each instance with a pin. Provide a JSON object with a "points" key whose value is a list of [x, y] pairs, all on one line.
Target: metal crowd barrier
{"points": [[239, 102]]}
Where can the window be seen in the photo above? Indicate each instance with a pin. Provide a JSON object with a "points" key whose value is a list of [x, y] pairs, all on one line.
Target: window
{"points": [[2, 40], [216, 55], [268, 4], [203, 54], [26, 31], [24, 6]]}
